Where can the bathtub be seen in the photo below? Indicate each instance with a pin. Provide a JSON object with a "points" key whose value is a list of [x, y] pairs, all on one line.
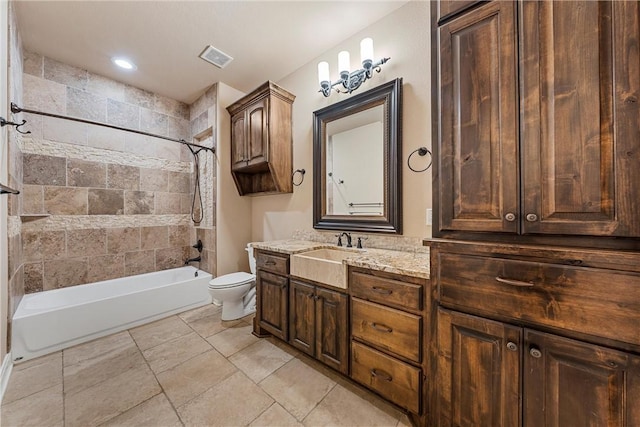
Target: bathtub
{"points": [[53, 320]]}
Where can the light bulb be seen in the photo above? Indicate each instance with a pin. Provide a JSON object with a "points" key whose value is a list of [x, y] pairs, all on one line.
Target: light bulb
{"points": [[344, 62], [366, 50], [323, 72]]}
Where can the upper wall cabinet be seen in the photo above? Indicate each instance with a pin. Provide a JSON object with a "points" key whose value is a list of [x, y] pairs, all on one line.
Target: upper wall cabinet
{"points": [[261, 141], [537, 120]]}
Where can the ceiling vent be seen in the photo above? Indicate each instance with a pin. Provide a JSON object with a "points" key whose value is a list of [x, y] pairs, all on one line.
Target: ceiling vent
{"points": [[215, 57]]}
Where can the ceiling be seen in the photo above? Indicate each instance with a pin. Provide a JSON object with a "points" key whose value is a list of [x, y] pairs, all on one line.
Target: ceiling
{"points": [[267, 39]]}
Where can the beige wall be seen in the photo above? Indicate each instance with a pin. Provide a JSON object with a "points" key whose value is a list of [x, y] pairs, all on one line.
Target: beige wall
{"points": [[233, 214], [404, 36]]}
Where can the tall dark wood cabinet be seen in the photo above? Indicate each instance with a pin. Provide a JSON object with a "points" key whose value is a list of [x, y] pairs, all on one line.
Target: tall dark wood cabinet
{"points": [[478, 164], [538, 119], [535, 261]]}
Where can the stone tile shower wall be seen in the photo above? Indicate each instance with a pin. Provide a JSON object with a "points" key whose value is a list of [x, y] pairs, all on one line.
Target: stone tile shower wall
{"points": [[99, 203], [203, 118], [14, 239]]}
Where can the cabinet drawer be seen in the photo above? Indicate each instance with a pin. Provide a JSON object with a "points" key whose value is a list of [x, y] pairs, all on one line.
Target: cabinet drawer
{"points": [[593, 301], [386, 291], [387, 328], [272, 262], [448, 8], [395, 380]]}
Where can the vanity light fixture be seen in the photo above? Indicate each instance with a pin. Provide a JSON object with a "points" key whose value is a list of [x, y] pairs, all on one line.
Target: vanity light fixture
{"points": [[350, 80]]}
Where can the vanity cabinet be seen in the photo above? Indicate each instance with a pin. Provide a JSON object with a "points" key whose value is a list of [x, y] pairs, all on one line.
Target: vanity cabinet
{"points": [[536, 336], [485, 366], [318, 323], [261, 141], [388, 336], [272, 292], [536, 121]]}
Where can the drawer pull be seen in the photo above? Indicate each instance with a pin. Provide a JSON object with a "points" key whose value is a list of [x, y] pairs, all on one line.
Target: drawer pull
{"points": [[382, 291], [270, 263], [513, 282], [381, 374], [381, 328]]}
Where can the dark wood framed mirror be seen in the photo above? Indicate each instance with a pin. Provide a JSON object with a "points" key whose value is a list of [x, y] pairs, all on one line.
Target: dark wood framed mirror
{"points": [[357, 166]]}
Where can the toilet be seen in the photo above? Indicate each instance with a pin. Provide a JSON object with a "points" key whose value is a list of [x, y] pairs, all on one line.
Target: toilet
{"points": [[236, 291]]}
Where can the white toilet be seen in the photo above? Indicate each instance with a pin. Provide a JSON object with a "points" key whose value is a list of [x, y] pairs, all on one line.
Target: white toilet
{"points": [[236, 291]]}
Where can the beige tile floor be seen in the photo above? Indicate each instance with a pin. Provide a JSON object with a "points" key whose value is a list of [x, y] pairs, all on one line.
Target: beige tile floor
{"points": [[191, 369]]}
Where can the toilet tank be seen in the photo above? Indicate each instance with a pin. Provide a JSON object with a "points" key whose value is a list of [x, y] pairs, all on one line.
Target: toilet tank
{"points": [[252, 259]]}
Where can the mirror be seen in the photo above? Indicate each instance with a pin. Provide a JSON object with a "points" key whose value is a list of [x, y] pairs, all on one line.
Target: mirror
{"points": [[357, 175]]}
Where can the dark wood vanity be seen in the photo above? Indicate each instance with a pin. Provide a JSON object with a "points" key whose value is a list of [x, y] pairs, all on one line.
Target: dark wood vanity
{"points": [[373, 332]]}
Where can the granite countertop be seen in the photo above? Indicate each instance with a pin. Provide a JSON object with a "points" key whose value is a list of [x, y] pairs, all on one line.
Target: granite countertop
{"points": [[289, 247], [414, 264]]}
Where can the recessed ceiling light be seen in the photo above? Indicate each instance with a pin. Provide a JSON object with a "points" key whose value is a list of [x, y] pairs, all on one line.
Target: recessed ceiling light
{"points": [[124, 63]]}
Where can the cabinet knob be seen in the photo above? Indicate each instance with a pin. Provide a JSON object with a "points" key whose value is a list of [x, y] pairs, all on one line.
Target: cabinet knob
{"points": [[532, 217], [512, 346], [535, 352], [510, 216]]}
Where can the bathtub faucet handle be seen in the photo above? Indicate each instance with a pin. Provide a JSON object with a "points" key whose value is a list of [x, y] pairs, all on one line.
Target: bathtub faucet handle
{"points": [[198, 245]]}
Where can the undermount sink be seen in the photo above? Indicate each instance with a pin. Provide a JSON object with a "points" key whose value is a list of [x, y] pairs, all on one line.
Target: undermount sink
{"points": [[322, 266]]}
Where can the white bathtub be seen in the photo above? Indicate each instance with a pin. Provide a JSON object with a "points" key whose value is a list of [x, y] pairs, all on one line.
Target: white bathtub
{"points": [[53, 320]]}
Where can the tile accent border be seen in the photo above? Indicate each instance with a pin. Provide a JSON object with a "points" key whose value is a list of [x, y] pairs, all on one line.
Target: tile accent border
{"points": [[72, 222], [81, 152]]}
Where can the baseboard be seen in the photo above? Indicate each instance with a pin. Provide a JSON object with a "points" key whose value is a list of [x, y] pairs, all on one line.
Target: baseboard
{"points": [[5, 373]]}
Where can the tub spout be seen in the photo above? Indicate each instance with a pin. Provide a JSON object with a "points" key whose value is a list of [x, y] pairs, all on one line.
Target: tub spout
{"points": [[197, 259]]}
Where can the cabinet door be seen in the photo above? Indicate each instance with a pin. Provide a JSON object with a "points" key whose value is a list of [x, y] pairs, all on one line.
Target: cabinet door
{"points": [[478, 372], [332, 335], [273, 299], [477, 160], [572, 384], [258, 132], [580, 123], [302, 318], [238, 141]]}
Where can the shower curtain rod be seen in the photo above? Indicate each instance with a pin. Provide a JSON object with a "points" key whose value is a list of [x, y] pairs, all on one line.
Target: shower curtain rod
{"points": [[16, 109]]}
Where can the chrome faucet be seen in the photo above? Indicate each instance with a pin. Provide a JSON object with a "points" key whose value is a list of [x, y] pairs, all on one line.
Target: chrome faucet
{"points": [[348, 236]]}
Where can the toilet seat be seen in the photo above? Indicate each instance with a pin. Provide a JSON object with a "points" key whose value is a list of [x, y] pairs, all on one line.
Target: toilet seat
{"points": [[231, 280]]}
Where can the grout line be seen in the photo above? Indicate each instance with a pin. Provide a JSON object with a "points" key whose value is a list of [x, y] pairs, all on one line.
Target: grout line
{"points": [[162, 391]]}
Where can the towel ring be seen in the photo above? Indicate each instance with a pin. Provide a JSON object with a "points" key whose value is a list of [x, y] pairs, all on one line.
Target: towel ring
{"points": [[293, 177], [422, 151]]}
